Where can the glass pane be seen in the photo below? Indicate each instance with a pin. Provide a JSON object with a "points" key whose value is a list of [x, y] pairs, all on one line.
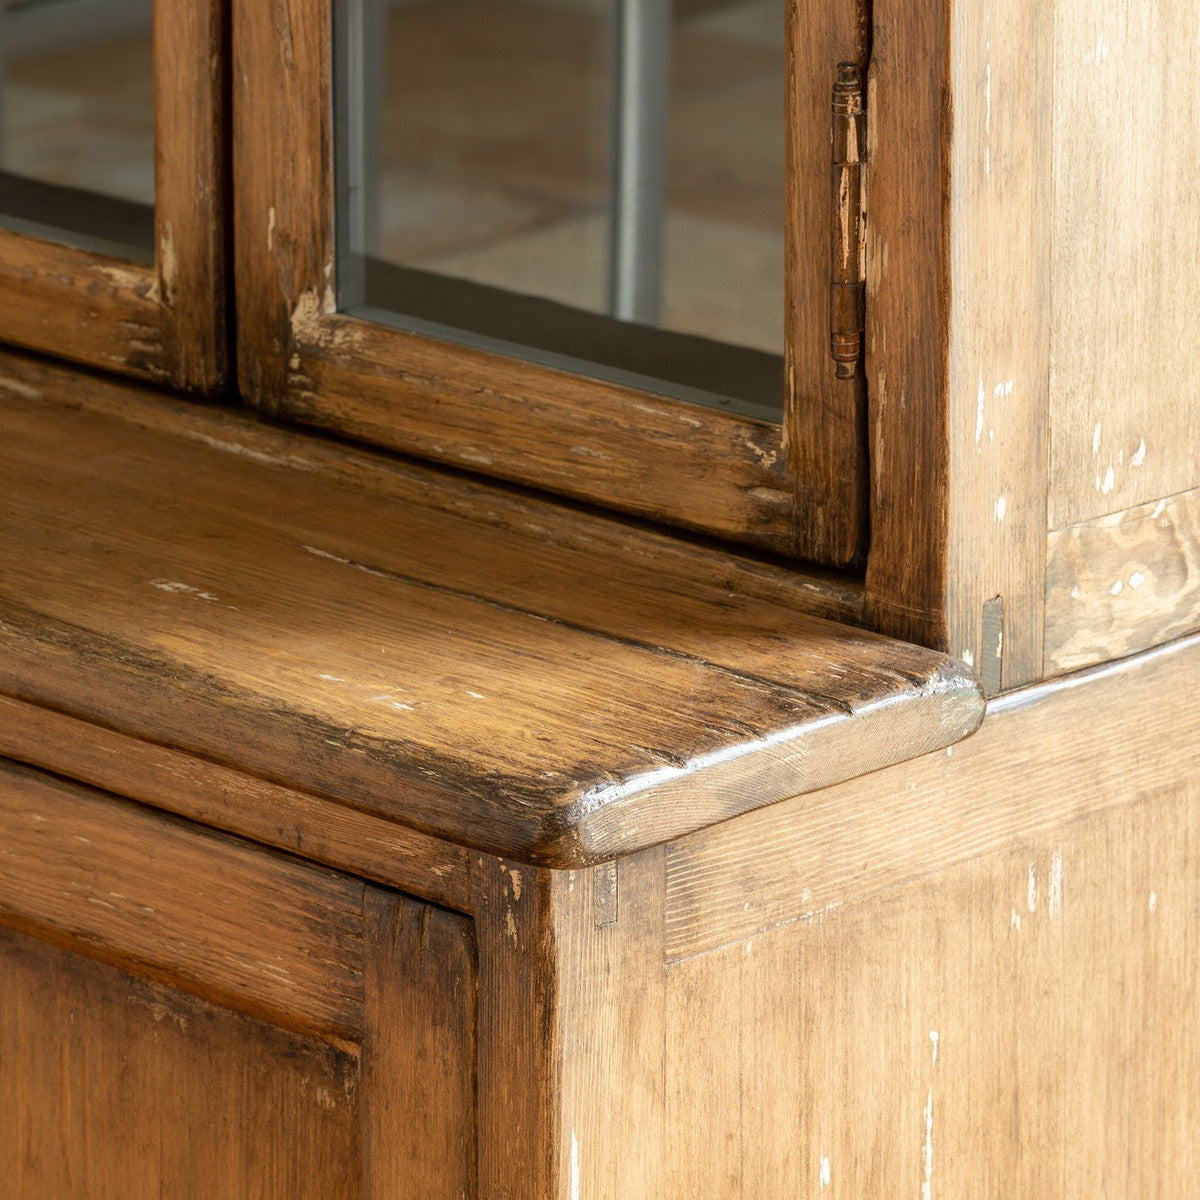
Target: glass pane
{"points": [[77, 121], [592, 183]]}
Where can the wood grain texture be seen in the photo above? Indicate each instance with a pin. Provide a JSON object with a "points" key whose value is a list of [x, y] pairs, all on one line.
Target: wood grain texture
{"points": [[1125, 427], [958, 340], [518, 1088], [112, 1086], [999, 336], [908, 306], [220, 797], [166, 322], [825, 425], [637, 451], [1122, 583], [612, 991], [258, 932], [418, 1053], [1018, 1024], [1071, 742], [231, 608]]}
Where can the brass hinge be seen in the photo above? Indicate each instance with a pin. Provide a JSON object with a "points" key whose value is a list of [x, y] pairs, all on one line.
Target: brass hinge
{"points": [[848, 296]]}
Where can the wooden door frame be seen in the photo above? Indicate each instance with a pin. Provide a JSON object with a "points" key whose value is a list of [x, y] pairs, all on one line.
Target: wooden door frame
{"points": [[162, 321], [796, 489]]}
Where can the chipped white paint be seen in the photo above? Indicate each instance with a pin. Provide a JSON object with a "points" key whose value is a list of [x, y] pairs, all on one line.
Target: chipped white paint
{"points": [[168, 263], [1109, 481], [949, 751], [1136, 580], [933, 1037], [1076, 593], [173, 587], [927, 1150], [1002, 391], [1138, 457], [510, 926], [979, 412], [476, 695], [1097, 54], [968, 656], [1001, 507], [1117, 588], [1152, 902], [1031, 889], [18, 388], [1055, 886], [1096, 439], [271, 228], [480, 459], [574, 1166], [517, 882], [1158, 509], [825, 1176], [1015, 920], [331, 678]]}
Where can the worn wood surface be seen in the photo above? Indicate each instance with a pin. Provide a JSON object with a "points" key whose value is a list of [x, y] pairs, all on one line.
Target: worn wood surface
{"points": [[1019, 1024], [1071, 742], [970, 972], [221, 797], [958, 341], [419, 1053], [825, 425], [112, 1086], [247, 612], [635, 450], [908, 306], [163, 322], [1125, 427], [258, 932], [1124, 582]]}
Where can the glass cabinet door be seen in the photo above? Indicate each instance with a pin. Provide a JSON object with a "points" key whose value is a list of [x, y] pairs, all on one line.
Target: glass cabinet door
{"points": [[111, 190], [581, 244]]}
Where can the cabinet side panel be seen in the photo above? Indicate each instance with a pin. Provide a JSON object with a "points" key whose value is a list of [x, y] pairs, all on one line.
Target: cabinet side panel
{"points": [[1021, 1024], [1125, 425], [115, 1088]]}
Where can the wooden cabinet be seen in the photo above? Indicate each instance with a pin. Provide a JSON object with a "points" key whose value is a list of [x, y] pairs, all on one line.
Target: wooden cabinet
{"points": [[372, 828]]}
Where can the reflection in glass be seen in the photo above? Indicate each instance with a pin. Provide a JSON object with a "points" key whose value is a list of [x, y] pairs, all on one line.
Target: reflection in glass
{"points": [[77, 120], [594, 180]]}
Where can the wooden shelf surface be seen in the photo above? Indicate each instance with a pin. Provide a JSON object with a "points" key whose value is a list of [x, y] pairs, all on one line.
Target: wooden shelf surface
{"points": [[492, 668]]}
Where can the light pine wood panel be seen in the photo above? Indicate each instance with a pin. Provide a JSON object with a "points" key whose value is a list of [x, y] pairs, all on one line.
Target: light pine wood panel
{"points": [[1002, 67], [1123, 582], [1021, 1024], [1125, 422], [117, 1088], [254, 930]]}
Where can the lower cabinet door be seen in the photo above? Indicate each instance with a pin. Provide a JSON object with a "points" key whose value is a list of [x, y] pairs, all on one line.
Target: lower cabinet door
{"points": [[186, 1015]]}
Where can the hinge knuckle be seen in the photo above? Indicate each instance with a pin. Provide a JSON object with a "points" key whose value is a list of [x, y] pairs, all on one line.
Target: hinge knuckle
{"points": [[848, 292]]}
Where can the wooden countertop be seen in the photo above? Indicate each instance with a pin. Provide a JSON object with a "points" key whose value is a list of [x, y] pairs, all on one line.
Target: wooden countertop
{"points": [[496, 669]]}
